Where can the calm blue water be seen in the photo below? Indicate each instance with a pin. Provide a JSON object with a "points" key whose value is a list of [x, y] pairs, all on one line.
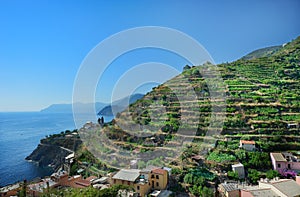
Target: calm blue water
{"points": [[20, 133]]}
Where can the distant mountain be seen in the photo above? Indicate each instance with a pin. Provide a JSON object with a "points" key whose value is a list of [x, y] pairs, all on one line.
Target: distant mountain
{"points": [[110, 109], [264, 52], [102, 108], [119, 105], [58, 108], [67, 108]]}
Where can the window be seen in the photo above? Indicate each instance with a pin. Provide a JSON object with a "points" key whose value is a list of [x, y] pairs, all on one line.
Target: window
{"points": [[157, 184], [152, 176], [138, 187], [289, 166], [278, 165], [157, 177], [128, 183], [115, 181], [122, 181]]}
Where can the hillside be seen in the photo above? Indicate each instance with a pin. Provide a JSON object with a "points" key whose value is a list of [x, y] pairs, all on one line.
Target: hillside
{"points": [[262, 99], [264, 52], [263, 95], [179, 124], [53, 149]]}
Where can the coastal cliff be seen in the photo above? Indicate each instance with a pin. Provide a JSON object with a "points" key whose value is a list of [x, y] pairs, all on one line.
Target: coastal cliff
{"points": [[53, 149]]}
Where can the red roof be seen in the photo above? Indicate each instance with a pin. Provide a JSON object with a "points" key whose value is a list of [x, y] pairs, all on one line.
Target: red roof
{"points": [[159, 171], [91, 178], [82, 182], [247, 142]]}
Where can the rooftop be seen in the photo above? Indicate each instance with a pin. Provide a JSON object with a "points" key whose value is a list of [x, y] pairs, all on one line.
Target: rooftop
{"points": [[151, 167], [127, 175], [287, 186], [155, 193], [290, 157], [100, 186], [237, 165], [159, 171], [59, 174], [83, 183], [100, 180], [265, 192], [278, 157], [247, 142], [42, 185], [91, 178], [230, 186], [167, 169]]}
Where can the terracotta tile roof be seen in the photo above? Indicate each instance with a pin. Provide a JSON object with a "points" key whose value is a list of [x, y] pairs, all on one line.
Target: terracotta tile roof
{"points": [[159, 171], [82, 182], [247, 142]]}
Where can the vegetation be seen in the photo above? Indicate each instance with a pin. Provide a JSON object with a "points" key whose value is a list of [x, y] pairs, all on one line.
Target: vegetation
{"points": [[254, 175], [197, 179], [262, 104], [89, 192], [272, 174], [258, 160], [233, 175], [220, 157], [265, 52]]}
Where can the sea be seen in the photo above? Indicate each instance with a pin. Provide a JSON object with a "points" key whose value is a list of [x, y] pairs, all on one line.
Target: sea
{"points": [[20, 133]]}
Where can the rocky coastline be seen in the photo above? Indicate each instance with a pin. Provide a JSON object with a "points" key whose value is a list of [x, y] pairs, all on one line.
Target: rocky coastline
{"points": [[53, 149]]}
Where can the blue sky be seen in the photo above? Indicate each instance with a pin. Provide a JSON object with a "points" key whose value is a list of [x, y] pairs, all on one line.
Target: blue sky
{"points": [[43, 43]]}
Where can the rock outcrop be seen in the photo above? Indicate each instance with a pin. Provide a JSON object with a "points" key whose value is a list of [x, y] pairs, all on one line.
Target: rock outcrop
{"points": [[53, 149], [48, 155]]}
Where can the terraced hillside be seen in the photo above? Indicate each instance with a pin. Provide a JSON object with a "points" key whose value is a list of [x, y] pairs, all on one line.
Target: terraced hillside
{"points": [[264, 52], [258, 97], [263, 96]]}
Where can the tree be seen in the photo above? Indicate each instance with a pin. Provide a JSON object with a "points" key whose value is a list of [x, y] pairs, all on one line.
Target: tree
{"points": [[188, 178], [199, 180], [196, 72], [233, 175], [196, 190], [206, 192], [272, 174], [186, 67], [259, 160], [241, 154], [253, 176]]}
